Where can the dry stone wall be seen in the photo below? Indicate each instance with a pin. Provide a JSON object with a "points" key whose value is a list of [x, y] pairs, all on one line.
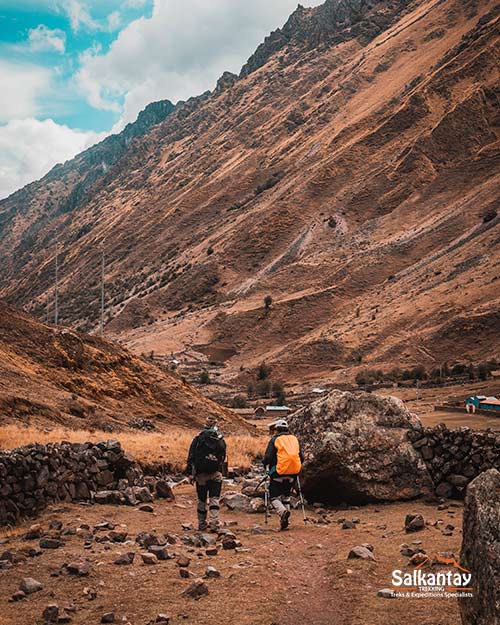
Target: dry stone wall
{"points": [[34, 476], [455, 457]]}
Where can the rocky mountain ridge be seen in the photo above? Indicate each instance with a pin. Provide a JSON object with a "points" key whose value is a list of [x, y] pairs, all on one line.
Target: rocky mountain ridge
{"points": [[355, 181]]}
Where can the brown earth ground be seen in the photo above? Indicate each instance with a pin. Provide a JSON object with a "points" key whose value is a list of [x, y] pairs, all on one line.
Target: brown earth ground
{"points": [[290, 578]]}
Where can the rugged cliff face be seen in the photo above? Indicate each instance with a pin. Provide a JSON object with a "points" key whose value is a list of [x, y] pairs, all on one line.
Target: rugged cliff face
{"points": [[351, 172]]}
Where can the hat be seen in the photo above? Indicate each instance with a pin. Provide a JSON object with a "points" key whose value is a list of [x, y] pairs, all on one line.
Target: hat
{"points": [[211, 422], [279, 424]]}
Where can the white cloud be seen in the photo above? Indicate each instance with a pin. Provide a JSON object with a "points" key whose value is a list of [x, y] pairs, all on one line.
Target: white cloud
{"points": [[43, 39], [178, 52], [22, 84], [29, 148], [79, 16]]}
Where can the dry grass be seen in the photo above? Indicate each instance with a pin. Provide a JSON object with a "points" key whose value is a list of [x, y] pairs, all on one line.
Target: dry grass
{"points": [[171, 447]]}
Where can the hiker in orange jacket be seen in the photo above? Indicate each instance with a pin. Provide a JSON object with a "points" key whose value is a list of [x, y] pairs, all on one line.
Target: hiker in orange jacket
{"points": [[283, 462]]}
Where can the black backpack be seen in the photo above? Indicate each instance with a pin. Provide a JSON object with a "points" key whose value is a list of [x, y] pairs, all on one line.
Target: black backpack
{"points": [[210, 452]]}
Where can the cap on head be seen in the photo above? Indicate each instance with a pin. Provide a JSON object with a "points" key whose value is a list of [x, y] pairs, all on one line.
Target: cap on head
{"points": [[211, 422], [279, 424]]}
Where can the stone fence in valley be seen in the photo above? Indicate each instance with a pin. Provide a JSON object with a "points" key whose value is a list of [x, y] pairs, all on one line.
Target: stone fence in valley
{"points": [[34, 476], [455, 457]]}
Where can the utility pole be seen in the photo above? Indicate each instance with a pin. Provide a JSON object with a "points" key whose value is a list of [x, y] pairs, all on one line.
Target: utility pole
{"points": [[103, 265], [56, 293]]}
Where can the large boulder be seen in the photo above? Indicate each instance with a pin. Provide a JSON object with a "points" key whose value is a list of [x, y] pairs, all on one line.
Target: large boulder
{"points": [[481, 550], [357, 449]]}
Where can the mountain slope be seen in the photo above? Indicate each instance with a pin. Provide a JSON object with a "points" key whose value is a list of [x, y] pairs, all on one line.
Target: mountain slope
{"points": [[50, 375], [351, 171]]}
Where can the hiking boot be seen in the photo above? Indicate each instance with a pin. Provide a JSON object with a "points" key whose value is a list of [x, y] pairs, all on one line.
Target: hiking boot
{"points": [[284, 520]]}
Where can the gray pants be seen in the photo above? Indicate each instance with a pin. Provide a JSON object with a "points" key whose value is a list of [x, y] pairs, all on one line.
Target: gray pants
{"points": [[208, 487], [279, 492]]}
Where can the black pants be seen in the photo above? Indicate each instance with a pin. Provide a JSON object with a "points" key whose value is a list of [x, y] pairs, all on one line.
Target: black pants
{"points": [[211, 490]]}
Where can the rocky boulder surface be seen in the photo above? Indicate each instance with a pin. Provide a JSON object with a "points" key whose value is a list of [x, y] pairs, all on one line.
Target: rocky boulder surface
{"points": [[357, 449], [481, 549]]}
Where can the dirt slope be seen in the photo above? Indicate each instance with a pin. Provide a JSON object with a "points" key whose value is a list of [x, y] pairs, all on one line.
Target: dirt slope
{"points": [[351, 171], [54, 375]]}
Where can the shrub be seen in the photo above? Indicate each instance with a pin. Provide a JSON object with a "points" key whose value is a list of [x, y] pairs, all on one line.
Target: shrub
{"points": [[239, 401], [489, 215], [264, 371], [204, 378]]}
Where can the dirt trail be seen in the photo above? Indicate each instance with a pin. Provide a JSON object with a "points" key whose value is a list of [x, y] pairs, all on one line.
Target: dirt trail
{"points": [[287, 578]]}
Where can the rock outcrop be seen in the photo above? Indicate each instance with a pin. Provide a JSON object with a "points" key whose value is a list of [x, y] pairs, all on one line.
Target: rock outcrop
{"points": [[481, 550], [357, 450]]}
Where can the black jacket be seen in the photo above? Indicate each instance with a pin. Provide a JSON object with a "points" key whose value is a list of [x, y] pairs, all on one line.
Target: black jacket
{"points": [[192, 453], [271, 456]]}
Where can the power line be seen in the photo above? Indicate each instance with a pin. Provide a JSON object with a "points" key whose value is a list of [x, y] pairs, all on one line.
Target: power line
{"points": [[103, 267], [56, 293]]}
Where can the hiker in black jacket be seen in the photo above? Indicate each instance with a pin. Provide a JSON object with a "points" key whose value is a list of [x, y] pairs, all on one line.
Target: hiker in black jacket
{"points": [[283, 462], [204, 464]]}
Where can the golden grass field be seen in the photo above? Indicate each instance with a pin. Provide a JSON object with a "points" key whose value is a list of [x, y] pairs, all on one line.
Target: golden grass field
{"points": [[170, 447]]}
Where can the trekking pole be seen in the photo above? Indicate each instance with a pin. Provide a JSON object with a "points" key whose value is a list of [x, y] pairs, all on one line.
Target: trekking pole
{"points": [[266, 498], [301, 500]]}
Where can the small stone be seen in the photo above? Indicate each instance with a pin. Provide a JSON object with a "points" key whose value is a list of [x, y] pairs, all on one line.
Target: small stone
{"points": [[55, 525], [90, 593], [146, 508], [81, 569], [348, 525], [211, 551], [125, 559], [229, 543], [185, 573], [160, 552], [18, 596], [30, 585], [414, 523], [211, 572], [183, 561], [50, 543], [108, 617], [162, 619], [406, 550], [196, 590], [51, 613], [187, 526], [360, 552], [386, 593], [419, 558], [149, 558], [118, 537]]}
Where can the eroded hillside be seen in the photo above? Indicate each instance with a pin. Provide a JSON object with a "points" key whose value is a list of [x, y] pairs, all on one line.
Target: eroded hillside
{"points": [[351, 172], [57, 376]]}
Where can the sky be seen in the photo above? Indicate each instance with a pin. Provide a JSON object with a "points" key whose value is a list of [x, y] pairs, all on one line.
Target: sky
{"points": [[74, 71]]}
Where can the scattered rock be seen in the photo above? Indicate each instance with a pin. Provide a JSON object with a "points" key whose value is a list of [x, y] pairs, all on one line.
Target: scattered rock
{"points": [[50, 543], [161, 552], [108, 617], [360, 552], [18, 596], [414, 523], [211, 572], [30, 585], [348, 525], [196, 590], [51, 613], [146, 508], [182, 561], [386, 593], [164, 490], [125, 559], [149, 558], [81, 569]]}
